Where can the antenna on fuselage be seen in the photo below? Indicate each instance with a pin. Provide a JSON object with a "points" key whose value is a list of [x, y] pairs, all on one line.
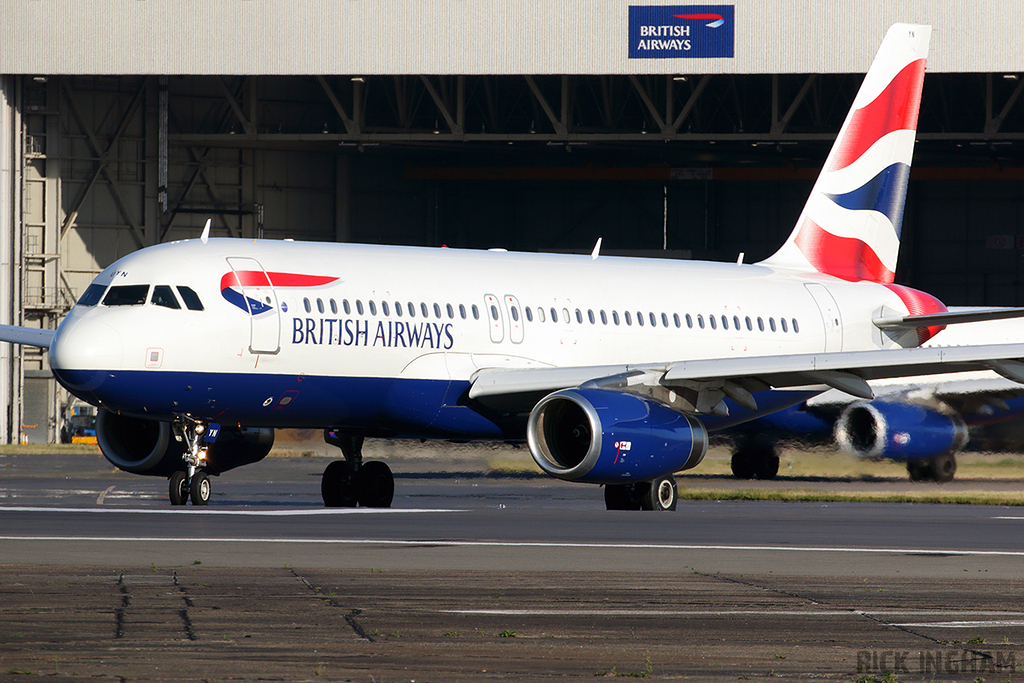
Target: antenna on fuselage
{"points": [[206, 231], [597, 249]]}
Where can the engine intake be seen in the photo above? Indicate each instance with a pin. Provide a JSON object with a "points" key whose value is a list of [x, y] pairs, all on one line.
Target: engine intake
{"points": [[143, 446], [898, 431], [610, 437]]}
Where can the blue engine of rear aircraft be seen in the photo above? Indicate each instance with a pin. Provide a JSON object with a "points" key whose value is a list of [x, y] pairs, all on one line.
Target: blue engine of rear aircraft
{"points": [[898, 431], [609, 437]]}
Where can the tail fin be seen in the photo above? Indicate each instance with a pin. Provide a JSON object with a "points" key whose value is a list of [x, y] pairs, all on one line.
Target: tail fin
{"points": [[850, 225]]}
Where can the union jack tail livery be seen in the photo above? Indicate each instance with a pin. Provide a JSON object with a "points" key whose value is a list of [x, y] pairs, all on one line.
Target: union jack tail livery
{"points": [[850, 226]]}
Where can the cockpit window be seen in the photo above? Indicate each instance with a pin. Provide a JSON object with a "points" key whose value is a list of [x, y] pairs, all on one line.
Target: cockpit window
{"points": [[92, 295], [190, 298], [163, 295], [126, 295]]}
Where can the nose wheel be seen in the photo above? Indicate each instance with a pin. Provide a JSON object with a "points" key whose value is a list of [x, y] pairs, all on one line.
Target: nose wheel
{"points": [[191, 482]]}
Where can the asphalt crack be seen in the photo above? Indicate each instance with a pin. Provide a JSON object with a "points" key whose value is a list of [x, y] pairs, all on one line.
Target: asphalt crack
{"points": [[350, 618], [126, 600], [186, 620]]}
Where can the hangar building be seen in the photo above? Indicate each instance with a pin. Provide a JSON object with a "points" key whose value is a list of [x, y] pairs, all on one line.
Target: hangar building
{"points": [[492, 123]]}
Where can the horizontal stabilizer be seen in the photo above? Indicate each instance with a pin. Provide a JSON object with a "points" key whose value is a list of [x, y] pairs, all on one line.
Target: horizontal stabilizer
{"points": [[29, 336], [907, 322]]}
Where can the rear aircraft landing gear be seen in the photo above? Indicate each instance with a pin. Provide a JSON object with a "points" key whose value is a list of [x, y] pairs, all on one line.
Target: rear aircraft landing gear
{"points": [[660, 494], [940, 469], [351, 482], [755, 458], [192, 482]]}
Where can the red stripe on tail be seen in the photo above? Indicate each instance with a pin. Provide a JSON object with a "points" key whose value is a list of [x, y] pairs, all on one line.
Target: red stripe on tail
{"points": [[895, 108], [843, 257]]}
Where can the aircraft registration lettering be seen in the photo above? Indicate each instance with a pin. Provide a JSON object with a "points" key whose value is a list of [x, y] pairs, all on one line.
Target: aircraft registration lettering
{"points": [[388, 334]]}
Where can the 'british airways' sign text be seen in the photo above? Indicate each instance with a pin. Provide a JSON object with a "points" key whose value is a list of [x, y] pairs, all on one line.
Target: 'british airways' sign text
{"points": [[663, 32]]}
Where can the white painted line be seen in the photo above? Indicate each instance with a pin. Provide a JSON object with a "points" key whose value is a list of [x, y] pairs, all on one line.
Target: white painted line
{"points": [[647, 613], [1008, 517], [738, 612], [99, 500], [529, 544], [202, 510], [964, 624]]}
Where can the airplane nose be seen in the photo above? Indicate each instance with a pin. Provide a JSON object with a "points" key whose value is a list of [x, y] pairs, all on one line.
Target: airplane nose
{"points": [[83, 351]]}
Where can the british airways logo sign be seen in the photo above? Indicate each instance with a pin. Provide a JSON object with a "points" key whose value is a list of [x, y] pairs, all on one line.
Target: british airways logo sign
{"points": [[695, 31], [242, 287]]}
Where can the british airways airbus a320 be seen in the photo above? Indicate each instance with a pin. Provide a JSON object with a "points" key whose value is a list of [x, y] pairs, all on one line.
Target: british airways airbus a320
{"points": [[611, 369]]}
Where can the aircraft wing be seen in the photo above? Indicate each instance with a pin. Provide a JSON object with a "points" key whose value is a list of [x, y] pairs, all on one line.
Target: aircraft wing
{"points": [[29, 336], [710, 380]]}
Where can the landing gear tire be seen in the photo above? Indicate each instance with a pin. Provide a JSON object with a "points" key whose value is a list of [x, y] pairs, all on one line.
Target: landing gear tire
{"points": [[660, 494], [200, 489], [755, 458], [621, 497], [336, 486], [767, 467], [918, 470], [742, 465], [374, 485], [178, 485], [943, 468], [939, 469]]}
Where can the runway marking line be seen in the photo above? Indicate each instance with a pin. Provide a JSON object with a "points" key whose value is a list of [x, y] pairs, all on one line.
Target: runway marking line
{"points": [[99, 500], [740, 612], [447, 543], [963, 624], [192, 510]]}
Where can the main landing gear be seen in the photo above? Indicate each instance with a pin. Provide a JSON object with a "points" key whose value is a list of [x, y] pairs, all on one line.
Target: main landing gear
{"points": [[660, 494], [755, 457], [193, 482], [941, 468], [351, 482]]}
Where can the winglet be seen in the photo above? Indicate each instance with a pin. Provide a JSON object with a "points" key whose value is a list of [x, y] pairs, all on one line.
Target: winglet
{"points": [[597, 250], [206, 230]]}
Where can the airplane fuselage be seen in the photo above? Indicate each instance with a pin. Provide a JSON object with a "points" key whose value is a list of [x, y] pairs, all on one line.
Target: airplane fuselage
{"points": [[386, 340]]}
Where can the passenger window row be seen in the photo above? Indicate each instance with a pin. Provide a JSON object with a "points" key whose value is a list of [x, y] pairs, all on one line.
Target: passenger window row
{"points": [[663, 319], [408, 309], [554, 315]]}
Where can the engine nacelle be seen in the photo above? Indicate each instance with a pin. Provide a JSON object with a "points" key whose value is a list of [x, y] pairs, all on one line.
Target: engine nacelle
{"points": [[610, 437], [143, 446], [898, 431]]}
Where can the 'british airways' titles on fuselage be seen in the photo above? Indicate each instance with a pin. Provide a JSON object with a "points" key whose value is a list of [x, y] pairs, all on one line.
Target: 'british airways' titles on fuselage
{"points": [[386, 333]]}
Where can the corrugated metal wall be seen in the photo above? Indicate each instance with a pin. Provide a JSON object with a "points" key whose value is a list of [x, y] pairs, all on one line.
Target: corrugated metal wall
{"points": [[479, 37]]}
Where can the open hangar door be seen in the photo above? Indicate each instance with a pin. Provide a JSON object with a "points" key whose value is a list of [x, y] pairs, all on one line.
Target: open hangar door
{"points": [[701, 166]]}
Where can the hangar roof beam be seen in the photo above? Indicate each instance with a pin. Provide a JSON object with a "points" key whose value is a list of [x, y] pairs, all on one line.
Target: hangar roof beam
{"points": [[992, 124], [560, 126]]}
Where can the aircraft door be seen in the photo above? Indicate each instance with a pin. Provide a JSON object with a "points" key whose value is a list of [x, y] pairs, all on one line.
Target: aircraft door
{"points": [[259, 297], [495, 316], [515, 319], [830, 316]]}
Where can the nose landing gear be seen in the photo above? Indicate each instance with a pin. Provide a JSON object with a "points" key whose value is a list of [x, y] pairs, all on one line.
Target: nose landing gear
{"points": [[192, 482]]}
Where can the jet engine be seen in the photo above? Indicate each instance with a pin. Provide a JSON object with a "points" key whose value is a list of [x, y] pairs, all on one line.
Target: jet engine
{"points": [[143, 446], [609, 437], [899, 431]]}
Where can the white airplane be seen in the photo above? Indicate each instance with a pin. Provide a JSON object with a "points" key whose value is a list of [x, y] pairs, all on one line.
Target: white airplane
{"points": [[612, 369], [922, 422]]}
